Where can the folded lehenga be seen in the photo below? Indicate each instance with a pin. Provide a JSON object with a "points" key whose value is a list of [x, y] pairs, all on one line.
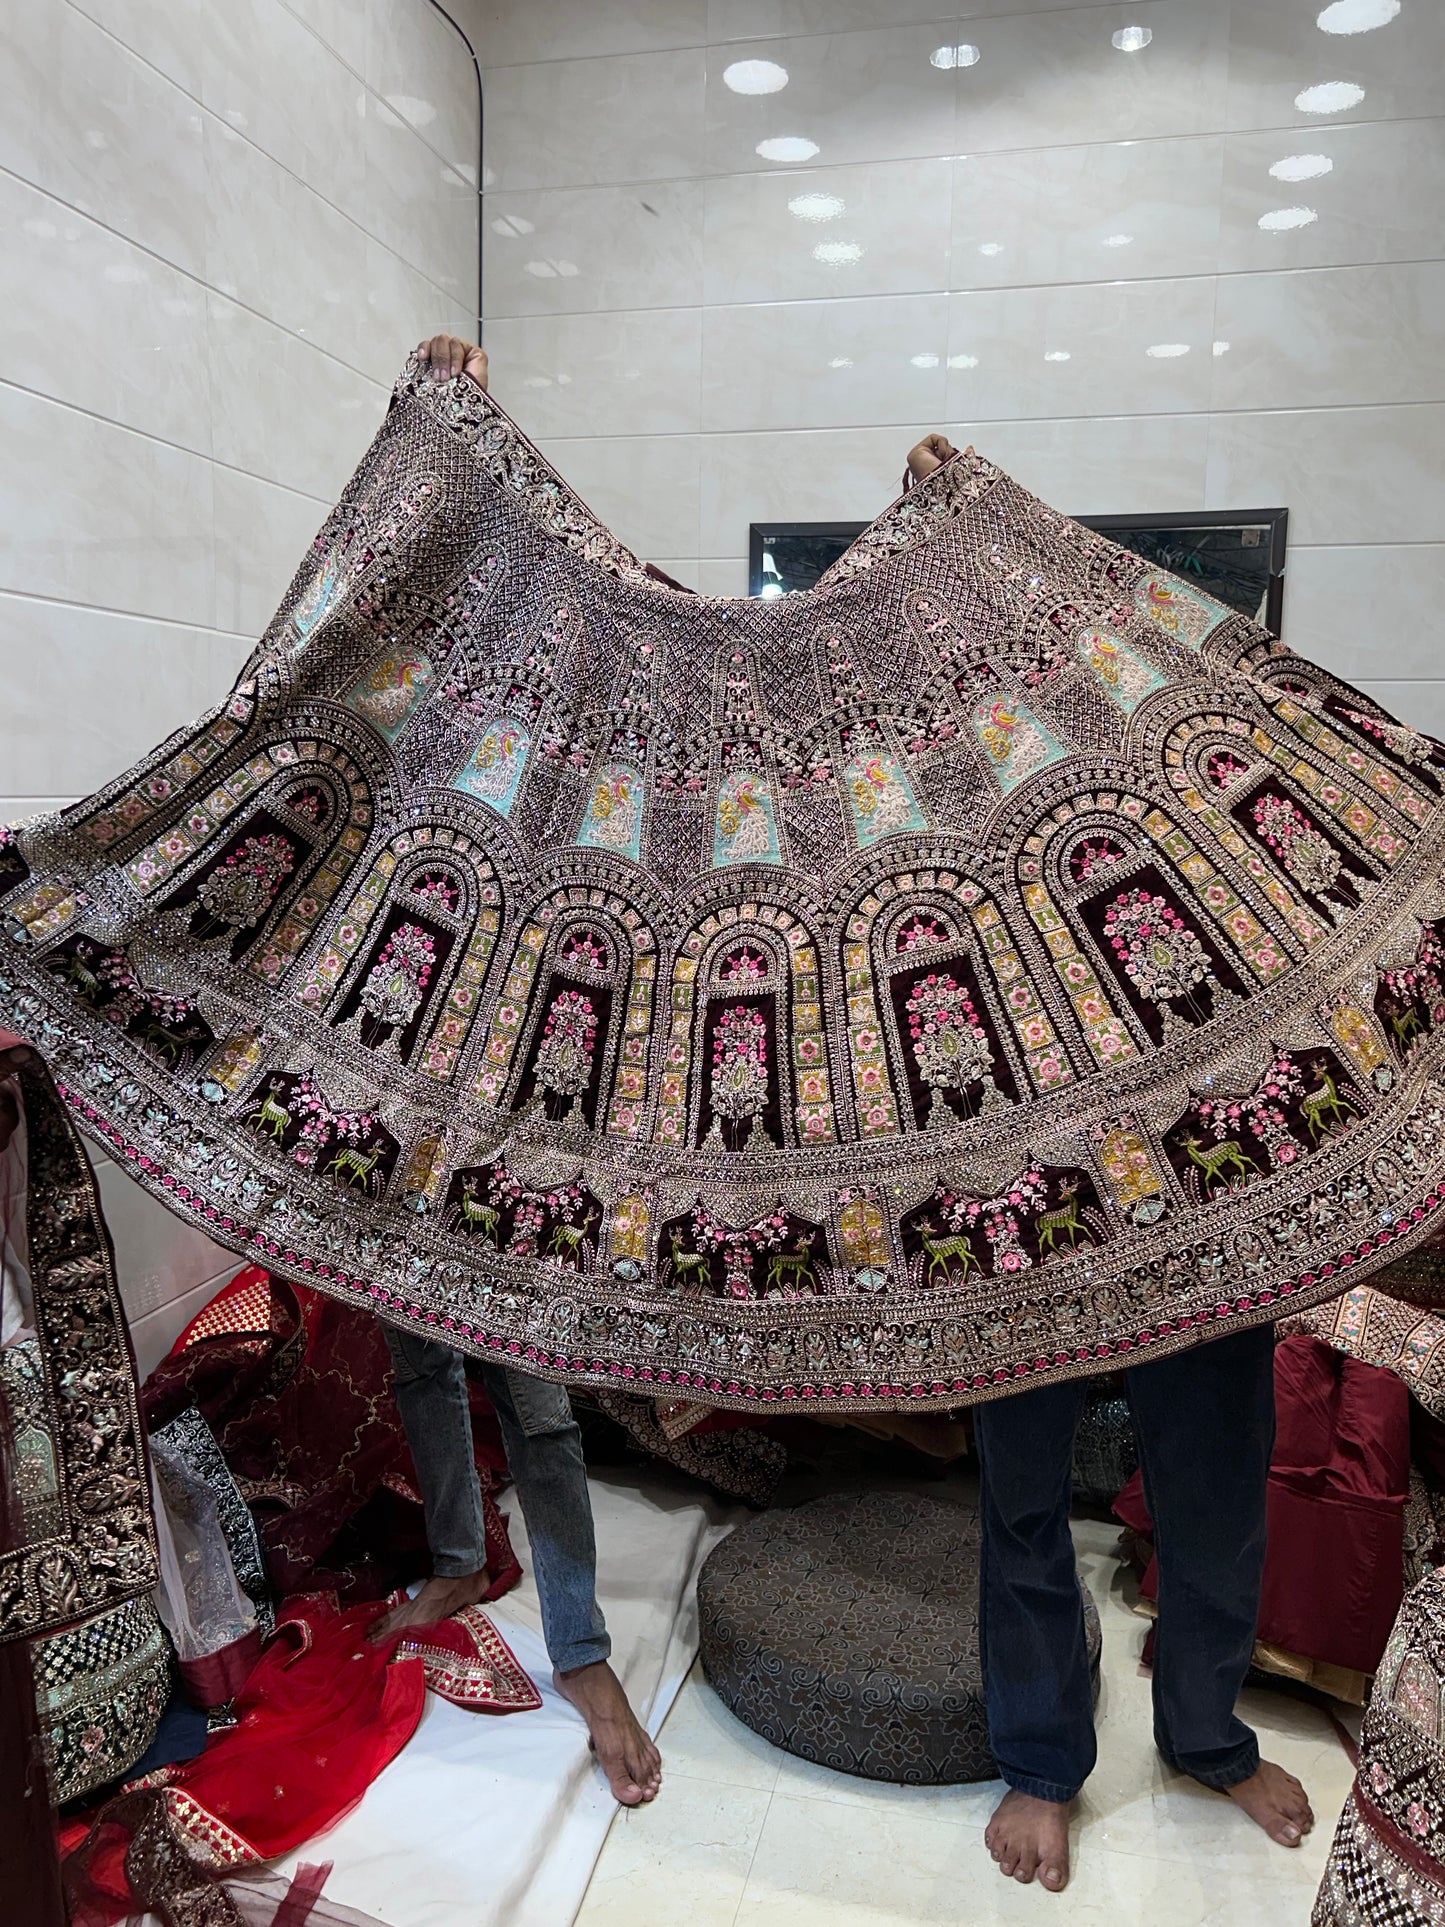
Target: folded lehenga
{"points": [[994, 963]]}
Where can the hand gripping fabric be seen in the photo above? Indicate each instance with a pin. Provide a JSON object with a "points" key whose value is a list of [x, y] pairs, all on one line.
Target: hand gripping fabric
{"points": [[991, 963]]}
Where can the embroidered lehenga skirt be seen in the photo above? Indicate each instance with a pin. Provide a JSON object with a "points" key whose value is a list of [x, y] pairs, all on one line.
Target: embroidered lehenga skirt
{"points": [[996, 963]]}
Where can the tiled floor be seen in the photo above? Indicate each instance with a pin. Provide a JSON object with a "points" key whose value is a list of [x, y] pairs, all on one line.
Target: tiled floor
{"points": [[745, 1836]]}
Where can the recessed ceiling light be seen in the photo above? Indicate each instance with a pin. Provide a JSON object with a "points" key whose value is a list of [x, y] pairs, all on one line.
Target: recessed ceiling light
{"points": [[1130, 39], [1301, 167], [990, 247], [1280, 218], [755, 77], [1167, 350], [963, 55], [841, 361], [1221, 348], [963, 361], [924, 361], [816, 207], [512, 224], [1057, 354], [1329, 97], [787, 147], [837, 254], [1357, 16], [1117, 240]]}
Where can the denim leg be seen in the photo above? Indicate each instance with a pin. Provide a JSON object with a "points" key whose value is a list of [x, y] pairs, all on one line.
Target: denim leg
{"points": [[544, 1451], [1204, 1421], [1037, 1687], [430, 1383]]}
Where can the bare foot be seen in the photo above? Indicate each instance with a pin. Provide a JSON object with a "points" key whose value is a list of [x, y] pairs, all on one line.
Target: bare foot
{"points": [[631, 1762], [1276, 1801], [438, 1599], [1029, 1838]]}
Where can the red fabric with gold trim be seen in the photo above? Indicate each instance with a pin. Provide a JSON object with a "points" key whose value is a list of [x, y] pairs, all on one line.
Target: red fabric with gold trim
{"points": [[467, 1661]]}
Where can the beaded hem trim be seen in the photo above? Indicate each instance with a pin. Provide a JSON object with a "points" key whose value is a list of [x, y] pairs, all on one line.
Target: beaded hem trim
{"points": [[992, 962], [86, 1538]]}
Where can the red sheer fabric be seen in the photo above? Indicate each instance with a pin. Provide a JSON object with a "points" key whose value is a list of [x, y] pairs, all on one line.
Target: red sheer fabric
{"points": [[321, 1714], [297, 1389], [1337, 1489]]}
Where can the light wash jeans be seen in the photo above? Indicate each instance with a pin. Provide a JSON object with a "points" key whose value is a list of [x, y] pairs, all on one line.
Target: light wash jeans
{"points": [[544, 1452]]}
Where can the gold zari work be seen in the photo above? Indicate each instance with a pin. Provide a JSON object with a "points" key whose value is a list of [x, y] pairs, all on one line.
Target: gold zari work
{"points": [[994, 961]]}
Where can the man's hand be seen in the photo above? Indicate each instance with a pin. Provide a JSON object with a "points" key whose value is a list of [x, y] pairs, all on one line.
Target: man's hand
{"points": [[447, 355], [931, 453]]}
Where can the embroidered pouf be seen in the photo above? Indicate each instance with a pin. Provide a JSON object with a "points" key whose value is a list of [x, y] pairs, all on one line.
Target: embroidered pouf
{"points": [[846, 1631]]}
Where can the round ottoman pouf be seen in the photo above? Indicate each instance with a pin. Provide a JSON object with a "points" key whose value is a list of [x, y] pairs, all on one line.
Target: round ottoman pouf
{"points": [[846, 1631]]}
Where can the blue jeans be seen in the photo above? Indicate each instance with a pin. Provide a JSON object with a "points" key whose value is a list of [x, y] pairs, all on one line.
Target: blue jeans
{"points": [[544, 1452], [1204, 1423]]}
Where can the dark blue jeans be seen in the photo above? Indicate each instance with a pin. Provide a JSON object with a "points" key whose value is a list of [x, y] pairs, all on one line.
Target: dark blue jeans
{"points": [[544, 1453], [1204, 1422]]}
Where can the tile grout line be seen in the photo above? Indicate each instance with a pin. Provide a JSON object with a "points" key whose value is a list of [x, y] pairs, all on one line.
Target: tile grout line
{"points": [[311, 188], [1002, 288], [781, 170], [163, 441]]}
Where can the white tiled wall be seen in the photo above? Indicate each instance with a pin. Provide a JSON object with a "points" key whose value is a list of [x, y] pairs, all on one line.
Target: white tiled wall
{"points": [[223, 223], [703, 337]]}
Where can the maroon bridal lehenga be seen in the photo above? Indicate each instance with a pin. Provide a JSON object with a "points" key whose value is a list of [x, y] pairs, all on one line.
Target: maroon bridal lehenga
{"points": [[991, 965]]}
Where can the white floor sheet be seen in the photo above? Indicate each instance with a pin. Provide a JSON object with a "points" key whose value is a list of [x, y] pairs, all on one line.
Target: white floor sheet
{"points": [[488, 1819]]}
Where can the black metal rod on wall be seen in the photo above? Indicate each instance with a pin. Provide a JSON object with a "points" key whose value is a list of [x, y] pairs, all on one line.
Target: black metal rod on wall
{"points": [[465, 39]]}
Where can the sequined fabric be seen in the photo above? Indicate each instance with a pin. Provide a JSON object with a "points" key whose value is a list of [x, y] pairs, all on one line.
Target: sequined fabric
{"points": [[994, 961], [1387, 1860]]}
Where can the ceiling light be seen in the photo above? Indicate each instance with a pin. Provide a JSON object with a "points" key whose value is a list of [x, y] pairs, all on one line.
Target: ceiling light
{"points": [[1117, 240], [1301, 167], [1329, 97], [1130, 39], [1357, 16], [990, 247], [1168, 350], [755, 77], [512, 224], [816, 207], [963, 55], [1220, 348], [841, 361], [1057, 354], [923, 361], [1280, 218], [837, 254], [963, 361], [786, 147]]}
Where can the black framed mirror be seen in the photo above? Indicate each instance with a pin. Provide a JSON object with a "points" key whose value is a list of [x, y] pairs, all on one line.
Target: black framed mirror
{"points": [[1235, 555]]}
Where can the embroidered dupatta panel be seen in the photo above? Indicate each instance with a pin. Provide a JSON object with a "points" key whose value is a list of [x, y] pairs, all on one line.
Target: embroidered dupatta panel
{"points": [[991, 962]]}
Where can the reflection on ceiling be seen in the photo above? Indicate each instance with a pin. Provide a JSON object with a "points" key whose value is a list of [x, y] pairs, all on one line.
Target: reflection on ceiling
{"points": [[1357, 16], [1301, 167], [1129, 40], [1279, 218], [816, 207], [963, 55], [789, 148], [755, 77], [837, 254], [1329, 97]]}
